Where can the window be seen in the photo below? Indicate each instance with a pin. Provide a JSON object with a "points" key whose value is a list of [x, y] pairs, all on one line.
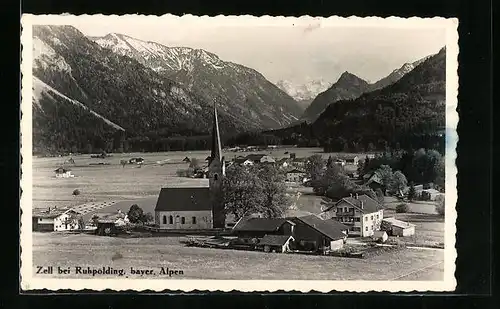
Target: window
{"points": [[216, 176], [345, 209], [377, 216], [164, 219], [366, 228], [371, 217], [357, 219], [373, 227], [194, 220], [183, 220], [40, 219], [171, 220], [366, 218]]}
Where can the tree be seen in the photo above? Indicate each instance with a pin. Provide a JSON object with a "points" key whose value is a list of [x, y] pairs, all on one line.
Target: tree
{"points": [[412, 193], [385, 174], [333, 175], [135, 214], [440, 206], [147, 217], [275, 200], [123, 162], [402, 208], [315, 167], [380, 195], [399, 182], [76, 192]]}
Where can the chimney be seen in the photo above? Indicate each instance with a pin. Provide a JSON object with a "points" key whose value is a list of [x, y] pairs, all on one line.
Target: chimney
{"points": [[351, 194], [361, 204], [357, 196]]}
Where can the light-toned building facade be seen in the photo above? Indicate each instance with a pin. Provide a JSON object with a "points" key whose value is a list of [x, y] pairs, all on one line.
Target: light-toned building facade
{"points": [[295, 175], [54, 219], [362, 214]]}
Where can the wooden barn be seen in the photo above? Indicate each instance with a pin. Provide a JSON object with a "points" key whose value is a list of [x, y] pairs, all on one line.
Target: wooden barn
{"points": [[312, 233], [259, 227]]}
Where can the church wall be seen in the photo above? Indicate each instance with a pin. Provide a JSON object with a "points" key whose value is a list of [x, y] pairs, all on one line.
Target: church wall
{"points": [[204, 219]]}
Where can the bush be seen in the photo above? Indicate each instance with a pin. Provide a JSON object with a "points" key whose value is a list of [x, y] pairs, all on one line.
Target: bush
{"points": [[402, 208], [76, 192]]}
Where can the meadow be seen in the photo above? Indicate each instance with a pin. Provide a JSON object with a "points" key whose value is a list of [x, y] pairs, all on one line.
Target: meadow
{"points": [[70, 250]]}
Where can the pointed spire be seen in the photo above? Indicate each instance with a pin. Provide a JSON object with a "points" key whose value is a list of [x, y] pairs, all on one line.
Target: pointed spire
{"points": [[216, 144]]}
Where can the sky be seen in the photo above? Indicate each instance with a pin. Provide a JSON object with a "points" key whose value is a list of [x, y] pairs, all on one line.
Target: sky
{"points": [[294, 50]]}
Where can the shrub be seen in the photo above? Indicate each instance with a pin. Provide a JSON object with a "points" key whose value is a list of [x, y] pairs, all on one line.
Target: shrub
{"points": [[402, 208], [76, 192]]}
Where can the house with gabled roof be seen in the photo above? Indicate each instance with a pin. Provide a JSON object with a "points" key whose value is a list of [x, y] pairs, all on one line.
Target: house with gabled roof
{"points": [[312, 233], [54, 219], [255, 227], [362, 214], [295, 175]]}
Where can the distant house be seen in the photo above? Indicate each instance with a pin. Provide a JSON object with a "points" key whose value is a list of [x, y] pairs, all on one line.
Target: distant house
{"points": [[186, 160], [243, 161], [109, 223], [283, 162], [275, 243], [299, 162], [354, 160], [184, 208], [312, 233], [339, 162], [54, 219], [430, 194], [397, 227], [260, 158], [136, 161], [295, 175], [63, 173], [361, 213], [380, 236], [251, 227], [375, 182]]}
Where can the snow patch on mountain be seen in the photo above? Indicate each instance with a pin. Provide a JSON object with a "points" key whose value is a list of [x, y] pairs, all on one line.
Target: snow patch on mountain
{"points": [[45, 57], [303, 92]]}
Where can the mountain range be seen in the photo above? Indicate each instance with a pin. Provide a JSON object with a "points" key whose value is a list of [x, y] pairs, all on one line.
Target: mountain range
{"points": [[241, 92], [350, 86], [407, 113], [87, 94]]}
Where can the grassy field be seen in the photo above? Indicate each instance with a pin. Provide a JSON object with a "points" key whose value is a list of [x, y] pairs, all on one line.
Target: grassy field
{"points": [[70, 250]]}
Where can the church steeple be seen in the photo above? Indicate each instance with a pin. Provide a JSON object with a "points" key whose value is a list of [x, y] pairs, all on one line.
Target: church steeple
{"points": [[216, 144]]}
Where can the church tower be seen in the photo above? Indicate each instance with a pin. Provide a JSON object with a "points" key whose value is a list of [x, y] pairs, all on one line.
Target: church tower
{"points": [[216, 172]]}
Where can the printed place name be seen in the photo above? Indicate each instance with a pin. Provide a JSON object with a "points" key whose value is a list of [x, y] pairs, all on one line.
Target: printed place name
{"points": [[106, 271]]}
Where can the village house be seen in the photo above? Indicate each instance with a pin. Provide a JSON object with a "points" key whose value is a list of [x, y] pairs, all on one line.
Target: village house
{"points": [[54, 219], [353, 160], [196, 207], [260, 158], [374, 182], [109, 223], [395, 227], [362, 214], [63, 173], [295, 175], [254, 227], [430, 194], [243, 161], [312, 233], [275, 243], [283, 162]]}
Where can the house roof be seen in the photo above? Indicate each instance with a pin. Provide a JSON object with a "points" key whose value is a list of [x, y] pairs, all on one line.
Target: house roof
{"points": [[182, 198], [363, 203], [109, 217], [375, 178], [260, 224], [330, 228], [295, 170], [255, 157], [61, 170], [52, 213], [431, 191], [274, 240], [398, 223]]}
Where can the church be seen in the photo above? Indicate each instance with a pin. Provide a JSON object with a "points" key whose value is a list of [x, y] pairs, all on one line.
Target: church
{"points": [[180, 208]]}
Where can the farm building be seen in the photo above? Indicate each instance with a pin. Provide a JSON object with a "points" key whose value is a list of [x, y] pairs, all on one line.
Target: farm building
{"points": [[196, 207], [380, 236], [54, 219], [63, 173], [243, 161], [354, 160], [275, 243], [284, 162], [109, 223], [361, 213], [251, 227], [312, 233], [295, 175], [260, 158], [397, 227], [430, 194]]}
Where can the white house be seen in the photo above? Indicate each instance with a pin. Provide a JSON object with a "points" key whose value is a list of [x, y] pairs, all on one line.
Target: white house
{"points": [[54, 219], [295, 175], [63, 173], [362, 214]]}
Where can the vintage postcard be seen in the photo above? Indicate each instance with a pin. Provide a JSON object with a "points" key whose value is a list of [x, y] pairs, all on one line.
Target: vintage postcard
{"points": [[238, 153]]}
